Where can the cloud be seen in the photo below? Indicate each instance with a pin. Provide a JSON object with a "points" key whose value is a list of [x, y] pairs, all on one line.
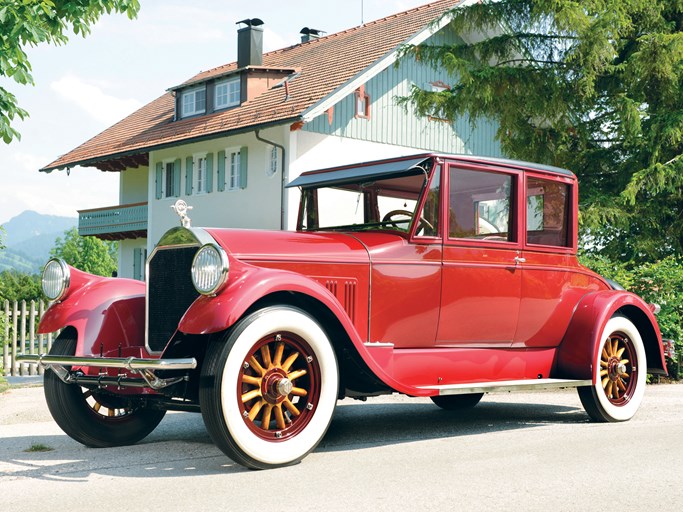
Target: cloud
{"points": [[92, 99]]}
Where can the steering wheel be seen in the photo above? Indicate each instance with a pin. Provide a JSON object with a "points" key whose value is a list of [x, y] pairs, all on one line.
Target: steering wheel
{"points": [[390, 221]]}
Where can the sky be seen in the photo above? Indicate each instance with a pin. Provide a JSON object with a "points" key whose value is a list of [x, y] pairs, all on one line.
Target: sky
{"points": [[89, 84]]}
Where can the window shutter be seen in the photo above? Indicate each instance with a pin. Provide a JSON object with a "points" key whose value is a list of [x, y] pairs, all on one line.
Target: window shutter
{"points": [[159, 178], [209, 172], [137, 258], [220, 186], [176, 177], [188, 176], [244, 157]]}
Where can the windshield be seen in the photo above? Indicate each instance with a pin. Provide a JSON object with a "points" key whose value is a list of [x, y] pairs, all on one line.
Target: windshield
{"points": [[386, 203]]}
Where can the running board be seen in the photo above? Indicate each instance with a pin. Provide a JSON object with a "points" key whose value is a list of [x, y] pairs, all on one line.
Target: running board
{"points": [[507, 385]]}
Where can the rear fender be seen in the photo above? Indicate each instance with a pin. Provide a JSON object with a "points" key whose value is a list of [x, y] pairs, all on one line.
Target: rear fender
{"points": [[107, 313], [581, 342]]}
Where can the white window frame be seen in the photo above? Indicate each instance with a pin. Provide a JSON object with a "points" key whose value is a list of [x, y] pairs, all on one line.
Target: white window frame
{"points": [[232, 94], [199, 173], [168, 166], [272, 162], [190, 108], [232, 168]]}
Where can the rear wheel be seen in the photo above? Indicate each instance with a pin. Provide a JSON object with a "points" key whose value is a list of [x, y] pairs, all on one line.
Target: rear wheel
{"points": [[92, 417], [457, 402], [269, 389], [620, 374]]}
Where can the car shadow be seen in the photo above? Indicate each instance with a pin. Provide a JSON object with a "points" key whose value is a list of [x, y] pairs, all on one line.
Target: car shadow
{"points": [[181, 446]]}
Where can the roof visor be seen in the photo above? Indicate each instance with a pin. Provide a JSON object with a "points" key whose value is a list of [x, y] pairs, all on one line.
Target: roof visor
{"points": [[352, 174]]}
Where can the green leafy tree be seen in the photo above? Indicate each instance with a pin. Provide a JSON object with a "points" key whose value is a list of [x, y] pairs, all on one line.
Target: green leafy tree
{"points": [[25, 23], [589, 85], [15, 286], [86, 253]]}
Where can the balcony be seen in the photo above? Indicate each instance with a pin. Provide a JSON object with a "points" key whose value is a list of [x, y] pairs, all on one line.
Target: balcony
{"points": [[121, 222]]}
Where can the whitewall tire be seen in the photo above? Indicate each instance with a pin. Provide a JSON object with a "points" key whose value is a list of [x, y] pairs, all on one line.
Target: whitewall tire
{"points": [[269, 388]]}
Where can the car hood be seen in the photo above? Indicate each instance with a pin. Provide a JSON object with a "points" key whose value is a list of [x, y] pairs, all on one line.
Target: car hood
{"points": [[258, 245]]}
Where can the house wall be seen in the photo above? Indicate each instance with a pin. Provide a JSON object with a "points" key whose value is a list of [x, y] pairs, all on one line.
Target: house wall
{"points": [[392, 124], [133, 185], [256, 206]]}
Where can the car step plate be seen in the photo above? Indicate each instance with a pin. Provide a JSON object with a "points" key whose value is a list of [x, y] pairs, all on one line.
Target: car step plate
{"points": [[507, 385]]}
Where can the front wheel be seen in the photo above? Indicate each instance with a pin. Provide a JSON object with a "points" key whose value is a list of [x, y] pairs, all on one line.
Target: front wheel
{"points": [[619, 372], [269, 388], [92, 417]]}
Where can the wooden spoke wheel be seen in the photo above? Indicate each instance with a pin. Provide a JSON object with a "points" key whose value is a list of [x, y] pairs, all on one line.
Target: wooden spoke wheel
{"points": [[269, 388], [280, 386], [94, 418], [619, 373]]}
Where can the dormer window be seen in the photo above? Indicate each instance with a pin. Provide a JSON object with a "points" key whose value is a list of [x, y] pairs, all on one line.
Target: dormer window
{"points": [[193, 101], [227, 93], [362, 101]]}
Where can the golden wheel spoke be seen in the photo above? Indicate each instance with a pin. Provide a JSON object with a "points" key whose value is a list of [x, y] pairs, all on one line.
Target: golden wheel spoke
{"points": [[97, 406], [265, 419], [299, 392], [621, 385], [111, 413], [291, 407], [249, 379], [250, 395], [265, 355], [289, 361], [295, 375], [605, 355], [603, 373], [619, 352], [255, 409], [604, 383], [624, 361], [279, 350], [604, 364], [256, 366], [279, 417]]}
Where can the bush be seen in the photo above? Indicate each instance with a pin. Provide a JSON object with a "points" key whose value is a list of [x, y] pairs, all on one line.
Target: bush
{"points": [[660, 283]]}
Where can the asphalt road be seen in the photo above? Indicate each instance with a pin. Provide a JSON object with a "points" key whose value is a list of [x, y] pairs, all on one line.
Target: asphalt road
{"points": [[513, 452]]}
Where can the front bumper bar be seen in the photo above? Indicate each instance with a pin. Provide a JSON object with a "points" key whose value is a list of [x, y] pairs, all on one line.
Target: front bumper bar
{"points": [[142, 366]]}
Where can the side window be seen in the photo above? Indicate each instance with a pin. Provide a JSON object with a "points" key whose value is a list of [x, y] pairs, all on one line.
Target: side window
{"points": [[547, 212], [481, 205], [428, 224]]}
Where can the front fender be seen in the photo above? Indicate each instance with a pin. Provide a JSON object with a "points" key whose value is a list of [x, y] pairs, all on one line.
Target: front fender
{"points": [[580, 345], [108, 315]]}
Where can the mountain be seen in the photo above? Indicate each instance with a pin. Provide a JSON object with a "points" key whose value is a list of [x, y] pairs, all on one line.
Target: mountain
{"points": [[28, 239]]}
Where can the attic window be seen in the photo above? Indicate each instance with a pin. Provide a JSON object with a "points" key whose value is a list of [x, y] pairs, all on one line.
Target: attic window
{"points": [[193, 101], [362, 101], [227, 93]]}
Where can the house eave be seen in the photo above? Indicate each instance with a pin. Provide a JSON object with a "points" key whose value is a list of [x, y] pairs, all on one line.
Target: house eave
{"points": [[92, 162]]}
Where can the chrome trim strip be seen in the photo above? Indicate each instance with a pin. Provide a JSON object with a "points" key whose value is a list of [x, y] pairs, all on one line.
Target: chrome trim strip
{"points": [[508, 385]]}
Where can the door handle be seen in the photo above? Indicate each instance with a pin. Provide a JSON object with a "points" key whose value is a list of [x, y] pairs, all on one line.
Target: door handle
{"points": [[519, 259]]}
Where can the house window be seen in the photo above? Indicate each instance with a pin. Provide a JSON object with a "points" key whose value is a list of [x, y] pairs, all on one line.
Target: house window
{"points": [[271, 168], [139, 263], [227, 93], [170, 180], [232, 164], [193, 101], [200, 178], [362, 102]]}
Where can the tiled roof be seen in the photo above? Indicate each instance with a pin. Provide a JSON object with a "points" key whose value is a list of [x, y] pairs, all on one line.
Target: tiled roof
{"points": [[324, 64]]}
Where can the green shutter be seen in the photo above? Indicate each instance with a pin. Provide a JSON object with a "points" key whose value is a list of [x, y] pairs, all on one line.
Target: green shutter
{"points": [[244, 158], [209, 172], [159, 178], [220, 186], [176, 177], [137, 258], [188, 176]]}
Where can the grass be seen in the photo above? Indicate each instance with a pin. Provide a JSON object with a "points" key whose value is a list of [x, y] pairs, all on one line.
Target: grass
{"points": [[4, 386], [37, 447]]}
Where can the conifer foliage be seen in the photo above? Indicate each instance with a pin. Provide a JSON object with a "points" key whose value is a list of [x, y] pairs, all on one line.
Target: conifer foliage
{"points": [[595, 86]]}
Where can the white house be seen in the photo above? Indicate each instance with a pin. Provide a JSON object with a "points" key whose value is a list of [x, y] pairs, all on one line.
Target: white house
{"points": [[229, 139]]}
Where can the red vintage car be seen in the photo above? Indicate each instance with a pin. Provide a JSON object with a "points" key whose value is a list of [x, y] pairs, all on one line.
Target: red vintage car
{"points": [[432, 275]]}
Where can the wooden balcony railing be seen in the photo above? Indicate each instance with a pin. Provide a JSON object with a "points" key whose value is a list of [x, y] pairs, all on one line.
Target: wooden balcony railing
{"points": [[114, 222]]}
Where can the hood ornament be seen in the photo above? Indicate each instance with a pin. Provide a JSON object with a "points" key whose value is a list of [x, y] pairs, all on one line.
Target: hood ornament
{"points": [[181, 208]]}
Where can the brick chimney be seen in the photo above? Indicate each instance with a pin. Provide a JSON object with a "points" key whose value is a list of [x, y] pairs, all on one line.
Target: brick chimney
{"points": [[250, 43]]}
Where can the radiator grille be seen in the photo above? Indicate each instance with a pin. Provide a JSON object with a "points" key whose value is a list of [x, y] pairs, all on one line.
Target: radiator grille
{"points": [[169, 293]]}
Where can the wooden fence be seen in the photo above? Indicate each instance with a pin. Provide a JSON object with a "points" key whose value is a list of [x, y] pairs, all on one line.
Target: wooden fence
{"points": [[18, 326]]}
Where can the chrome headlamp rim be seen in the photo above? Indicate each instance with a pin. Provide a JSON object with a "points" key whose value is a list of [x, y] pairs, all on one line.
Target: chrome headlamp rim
{"points": [[222, 272], [65, 278]]}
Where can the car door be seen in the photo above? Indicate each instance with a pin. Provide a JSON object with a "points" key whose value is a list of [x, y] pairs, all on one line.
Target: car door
{"points": [[481, 279]]}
